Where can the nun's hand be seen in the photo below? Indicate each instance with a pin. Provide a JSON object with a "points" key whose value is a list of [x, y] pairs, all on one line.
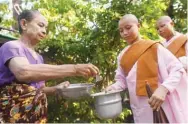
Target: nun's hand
{"points": [[184, 61], [110, 88], [158, 97]]}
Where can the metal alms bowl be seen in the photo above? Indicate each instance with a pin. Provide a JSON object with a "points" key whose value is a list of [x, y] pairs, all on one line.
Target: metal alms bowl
{"points": [[108, 105], [76, 91]]}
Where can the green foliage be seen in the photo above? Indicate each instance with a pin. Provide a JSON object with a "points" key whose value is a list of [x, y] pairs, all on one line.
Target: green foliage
{"points": [[178, 12], [5, 18], [84, 31], [4, 10], [79, 111]]}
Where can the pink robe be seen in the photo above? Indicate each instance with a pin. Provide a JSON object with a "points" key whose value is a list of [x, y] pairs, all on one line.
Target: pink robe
{"points": [[170, 74]]}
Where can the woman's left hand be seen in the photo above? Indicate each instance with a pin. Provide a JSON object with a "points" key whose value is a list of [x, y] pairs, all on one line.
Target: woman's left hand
{"points": [[55, 89], [158, 97], [62, 85], [58, 92]]}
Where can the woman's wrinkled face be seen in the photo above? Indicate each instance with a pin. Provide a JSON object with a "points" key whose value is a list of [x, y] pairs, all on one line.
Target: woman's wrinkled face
{"points": [[129, 30], [165, 29], [36, 28]]}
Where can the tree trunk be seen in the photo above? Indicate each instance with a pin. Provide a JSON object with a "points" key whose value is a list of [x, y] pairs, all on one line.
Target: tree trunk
{"points": [[15, 14], [170, 9]]}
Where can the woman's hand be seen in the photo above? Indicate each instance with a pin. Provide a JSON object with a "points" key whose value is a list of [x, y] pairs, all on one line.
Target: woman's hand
{"points": [[62, 85], [158, 97], [58, 92], [26, 72], [54, 90], [86, 70]]}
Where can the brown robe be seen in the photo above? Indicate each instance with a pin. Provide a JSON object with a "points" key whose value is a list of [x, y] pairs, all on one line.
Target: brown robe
{"points": [[177, 47], [145, 52]]}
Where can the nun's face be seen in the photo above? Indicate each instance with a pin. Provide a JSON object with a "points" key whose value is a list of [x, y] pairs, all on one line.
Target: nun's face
{"points": [[129, 30], [164, 28]]}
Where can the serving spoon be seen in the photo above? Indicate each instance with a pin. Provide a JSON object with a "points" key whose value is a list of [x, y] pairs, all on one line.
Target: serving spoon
{"points": [[98, 79]]}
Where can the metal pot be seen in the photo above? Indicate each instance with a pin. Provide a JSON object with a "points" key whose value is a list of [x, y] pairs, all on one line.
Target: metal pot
{"points": [[108, 105], [76, 91]]}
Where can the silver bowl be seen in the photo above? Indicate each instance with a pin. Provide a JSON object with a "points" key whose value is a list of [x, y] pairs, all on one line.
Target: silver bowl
{"points": [[76, 91], [108, 105]]}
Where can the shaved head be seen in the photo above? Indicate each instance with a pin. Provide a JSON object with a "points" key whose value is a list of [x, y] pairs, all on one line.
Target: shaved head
{"points": [[165, 27], [130, 17], [129, 28], [164, 19]]}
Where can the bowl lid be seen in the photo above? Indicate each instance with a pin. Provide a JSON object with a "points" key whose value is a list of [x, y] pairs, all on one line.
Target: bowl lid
{"points": [[106, 93]]}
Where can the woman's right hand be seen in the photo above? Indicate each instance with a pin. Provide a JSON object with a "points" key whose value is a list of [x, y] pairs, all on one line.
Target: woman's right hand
{"points": [[86, 70]]}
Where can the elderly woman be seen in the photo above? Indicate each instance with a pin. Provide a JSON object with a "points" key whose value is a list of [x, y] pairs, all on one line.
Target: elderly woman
{"points": [[23, 73]]}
